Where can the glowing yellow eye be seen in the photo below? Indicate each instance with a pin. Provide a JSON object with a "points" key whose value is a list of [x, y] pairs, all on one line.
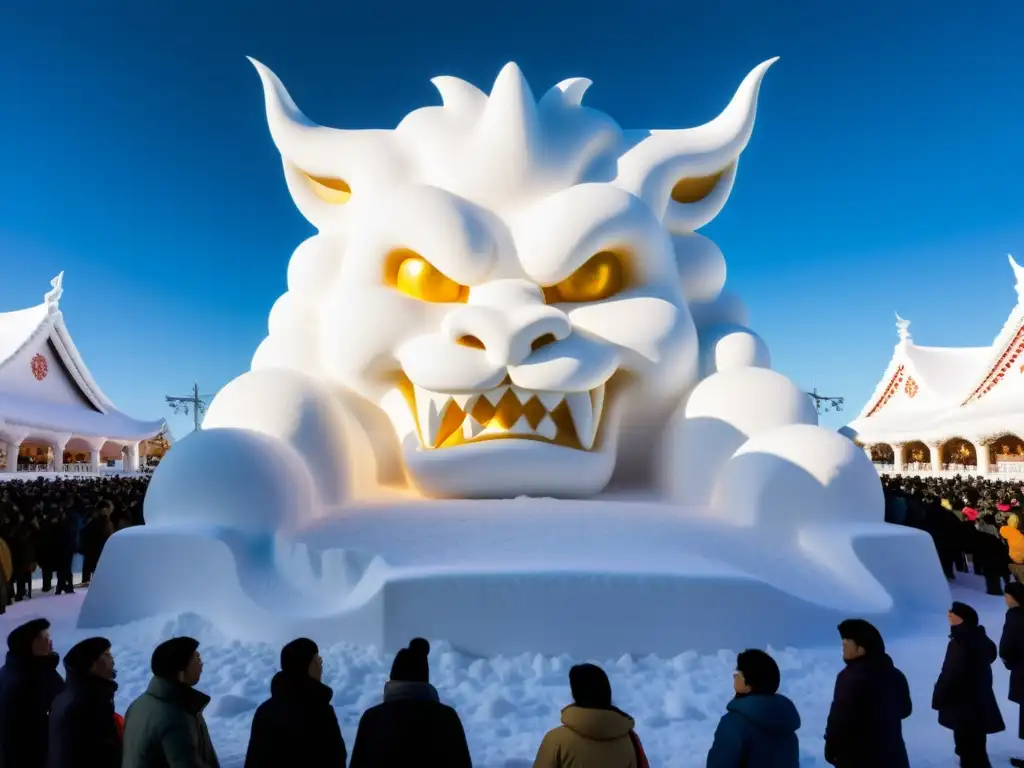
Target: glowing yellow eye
{"points": [[602, 276], [414, 276], [694, 190], [331, 191]]}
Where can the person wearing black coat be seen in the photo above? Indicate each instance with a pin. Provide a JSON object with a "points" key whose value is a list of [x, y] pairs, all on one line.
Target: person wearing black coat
{"points": [[870, 703], [1011, 651], [411, 726], [963, 693], [297, 725], [29, 682], [83, 732]]}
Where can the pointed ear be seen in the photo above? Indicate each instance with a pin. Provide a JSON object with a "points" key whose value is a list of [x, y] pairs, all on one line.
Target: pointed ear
{"points": [[685, 176], [326, 168]]}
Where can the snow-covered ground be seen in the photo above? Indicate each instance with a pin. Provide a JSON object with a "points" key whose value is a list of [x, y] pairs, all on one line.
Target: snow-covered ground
{"points": [[508, 703]]}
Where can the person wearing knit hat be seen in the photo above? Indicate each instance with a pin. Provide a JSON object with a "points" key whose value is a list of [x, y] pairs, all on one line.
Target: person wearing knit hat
{"points": [[83, 728], [411, 664], [165, 725], [962, 613], [91, 657], [297, 725], [759, 721], [963, 694], [29, 682], [1011, 651], [870, 703], [593, 730], [411, 726]]}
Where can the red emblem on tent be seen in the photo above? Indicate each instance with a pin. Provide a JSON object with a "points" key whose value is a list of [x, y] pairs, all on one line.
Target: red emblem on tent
{"points": [[40, 367]]}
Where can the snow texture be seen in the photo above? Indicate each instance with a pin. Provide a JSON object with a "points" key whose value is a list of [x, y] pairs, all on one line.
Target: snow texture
{"points": [[350, 488], [507, 702]]}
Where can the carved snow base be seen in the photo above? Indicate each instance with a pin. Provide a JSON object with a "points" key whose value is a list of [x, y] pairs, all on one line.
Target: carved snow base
{"points": [[591, 578]]}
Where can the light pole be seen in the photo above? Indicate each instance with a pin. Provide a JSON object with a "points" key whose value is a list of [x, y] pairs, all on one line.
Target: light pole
{"points": [[824, 403], [195, 402]]}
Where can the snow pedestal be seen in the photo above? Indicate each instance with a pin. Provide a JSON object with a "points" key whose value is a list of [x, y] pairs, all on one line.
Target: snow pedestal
{"points": [[587, 578]]}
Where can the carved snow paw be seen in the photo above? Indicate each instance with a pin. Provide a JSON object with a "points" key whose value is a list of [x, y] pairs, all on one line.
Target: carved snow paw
{"points": [[722, 413], [235, 479], [302, 413], [799, 474]]}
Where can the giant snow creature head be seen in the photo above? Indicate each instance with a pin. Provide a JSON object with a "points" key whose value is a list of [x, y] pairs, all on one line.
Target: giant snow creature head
{"points": [[499, 276]]}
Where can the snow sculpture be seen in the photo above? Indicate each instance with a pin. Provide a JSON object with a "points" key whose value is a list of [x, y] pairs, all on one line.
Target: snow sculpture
{"points": [[506, 297]]}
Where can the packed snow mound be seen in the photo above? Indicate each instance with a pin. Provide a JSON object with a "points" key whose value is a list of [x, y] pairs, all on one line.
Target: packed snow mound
{"points": [[730, 347], [796, 475], [701, 266], [722, 413], [233, 478]]}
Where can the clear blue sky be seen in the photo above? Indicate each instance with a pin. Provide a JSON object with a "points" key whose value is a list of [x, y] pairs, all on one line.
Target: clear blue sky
{"points": [[884, 172]]}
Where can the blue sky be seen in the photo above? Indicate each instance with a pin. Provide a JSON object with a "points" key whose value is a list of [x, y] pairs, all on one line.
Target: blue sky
{"points": [[884, 172]]}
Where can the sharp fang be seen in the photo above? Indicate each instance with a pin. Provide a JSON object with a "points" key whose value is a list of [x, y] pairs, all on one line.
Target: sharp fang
{"points": [[582, 411], [550, 400], [429, 417], [597, 396], [471, 428], [521, 427], [466, 402], [524, 395], [547, 428], [494, 395]]}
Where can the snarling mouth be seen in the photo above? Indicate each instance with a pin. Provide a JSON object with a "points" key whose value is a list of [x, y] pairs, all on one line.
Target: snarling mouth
{"points": [[570, 419]]}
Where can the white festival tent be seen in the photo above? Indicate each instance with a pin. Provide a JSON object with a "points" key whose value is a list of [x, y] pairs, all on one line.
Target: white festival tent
{"points": [[950, 409], [48, 397]]}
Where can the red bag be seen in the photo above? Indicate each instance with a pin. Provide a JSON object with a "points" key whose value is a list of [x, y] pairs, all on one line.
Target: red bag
{"points": [[641, 756], [119, 724]]}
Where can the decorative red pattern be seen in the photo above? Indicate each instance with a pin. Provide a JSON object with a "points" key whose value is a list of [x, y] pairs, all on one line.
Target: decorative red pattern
{"points": [[1007, 360], [890, 389], [40, 368], [911, 387]]}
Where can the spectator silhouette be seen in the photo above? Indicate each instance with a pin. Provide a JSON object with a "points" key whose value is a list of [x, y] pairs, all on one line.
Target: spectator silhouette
{"points": [[411, 726], [759, 727], [297, 725], [164, 727], [1011, 651], [963, 693], [83, 729], [870, 703], [593, 731], [29, 682]]}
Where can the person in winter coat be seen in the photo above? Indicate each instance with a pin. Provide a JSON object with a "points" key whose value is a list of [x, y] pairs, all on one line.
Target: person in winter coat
{"points": [[593, 731], [1011, 651], [29, 682], [759, 727], [165, 725], [297, 725], [411, 726], [963, 693], [83, 728], [870, 703], [94, 538], [1014, 538]]}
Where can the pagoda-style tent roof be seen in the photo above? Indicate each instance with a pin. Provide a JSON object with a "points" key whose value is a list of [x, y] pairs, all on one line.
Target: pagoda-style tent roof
{"points": [[937, 393], [46, 388]]}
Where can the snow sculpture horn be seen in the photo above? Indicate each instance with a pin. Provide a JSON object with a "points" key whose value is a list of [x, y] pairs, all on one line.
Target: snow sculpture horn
{"points": [[686, 175], [325, 167]]}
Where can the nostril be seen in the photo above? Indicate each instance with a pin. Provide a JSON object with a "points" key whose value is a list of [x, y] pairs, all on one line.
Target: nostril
{"points": [[470, 341], [543, 341]]}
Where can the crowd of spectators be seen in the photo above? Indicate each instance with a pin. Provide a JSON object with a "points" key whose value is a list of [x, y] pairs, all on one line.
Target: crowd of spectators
{"points": [[44, 523], [52, 721]]}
